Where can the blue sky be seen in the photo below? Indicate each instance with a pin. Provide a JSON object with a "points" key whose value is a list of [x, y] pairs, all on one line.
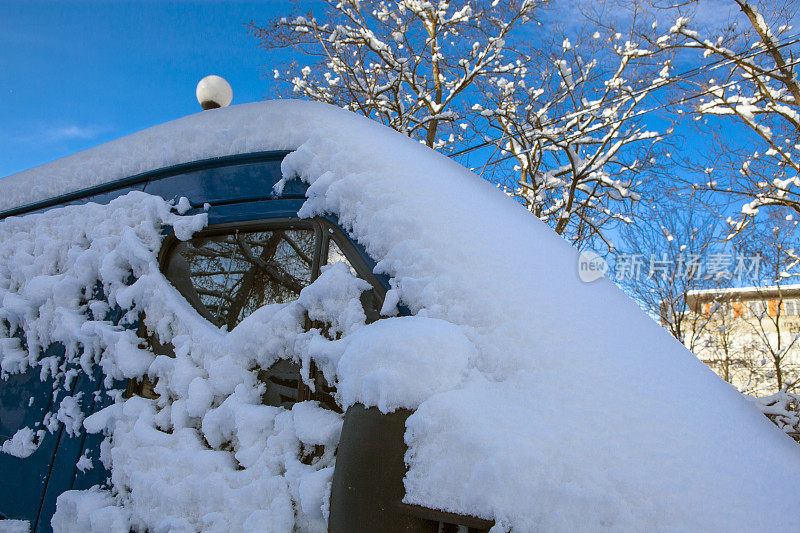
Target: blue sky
{"points": [[74, 74]]}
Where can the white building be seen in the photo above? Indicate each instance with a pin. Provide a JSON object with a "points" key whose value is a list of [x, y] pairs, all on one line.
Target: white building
{"points": [[749, 336]]}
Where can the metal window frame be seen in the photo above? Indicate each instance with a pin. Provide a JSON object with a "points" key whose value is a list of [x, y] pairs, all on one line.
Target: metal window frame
{"points": [[324, 231]]}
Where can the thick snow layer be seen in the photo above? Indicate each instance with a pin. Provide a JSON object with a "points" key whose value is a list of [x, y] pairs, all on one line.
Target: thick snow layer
{"points": [[543, 403], [89, 510], [382, 363]]}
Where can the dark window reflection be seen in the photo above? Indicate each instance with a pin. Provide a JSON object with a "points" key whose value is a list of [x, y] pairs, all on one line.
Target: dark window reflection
{"points": [[227, 277]]}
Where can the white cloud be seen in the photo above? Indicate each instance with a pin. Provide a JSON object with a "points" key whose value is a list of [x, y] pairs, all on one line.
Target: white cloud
{"points": [[71, 132], [59, 132]]}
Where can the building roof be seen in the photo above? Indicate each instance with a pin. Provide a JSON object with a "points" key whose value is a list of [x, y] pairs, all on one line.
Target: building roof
{"points": [[745, 291]]}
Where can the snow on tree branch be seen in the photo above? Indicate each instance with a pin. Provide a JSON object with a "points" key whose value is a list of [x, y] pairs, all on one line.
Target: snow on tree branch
{"points": [[405, 63], [751, 85], [783, 409], [575, 132]]}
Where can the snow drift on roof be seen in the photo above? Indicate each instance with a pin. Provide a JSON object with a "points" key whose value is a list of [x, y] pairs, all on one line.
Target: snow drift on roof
{"points": [[567, 409], [214, 133]]}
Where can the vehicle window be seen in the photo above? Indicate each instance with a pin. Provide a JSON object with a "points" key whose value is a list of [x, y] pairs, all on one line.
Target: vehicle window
{"points": [[227, 277], [371, 300], [335, 255]]}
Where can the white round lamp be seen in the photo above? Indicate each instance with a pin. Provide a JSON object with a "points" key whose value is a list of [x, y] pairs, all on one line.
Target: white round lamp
{"points": [[213, 92]]}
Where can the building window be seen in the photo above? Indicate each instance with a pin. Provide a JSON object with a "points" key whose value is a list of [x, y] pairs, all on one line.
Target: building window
{"points": [[757, 308], [792, 307]]}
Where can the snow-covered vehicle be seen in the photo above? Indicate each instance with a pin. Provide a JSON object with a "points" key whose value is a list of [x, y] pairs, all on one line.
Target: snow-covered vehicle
{"points": [[281, 316]]}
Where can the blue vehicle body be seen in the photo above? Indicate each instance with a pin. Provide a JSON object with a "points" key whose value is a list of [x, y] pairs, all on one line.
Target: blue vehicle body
{"points": [[235, 189]]}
